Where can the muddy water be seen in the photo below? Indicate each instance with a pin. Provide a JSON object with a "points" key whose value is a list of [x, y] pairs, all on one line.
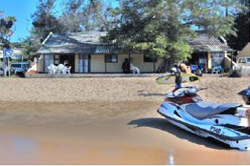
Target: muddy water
{"points": [[107, 133]]}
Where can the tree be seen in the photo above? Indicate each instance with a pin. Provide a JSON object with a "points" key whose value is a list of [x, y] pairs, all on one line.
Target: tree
{"points": [[72, 15], [162, 28], [29, 47], [6, 29], [102, 16], [44, 20], [88, 15], [242, 26]]}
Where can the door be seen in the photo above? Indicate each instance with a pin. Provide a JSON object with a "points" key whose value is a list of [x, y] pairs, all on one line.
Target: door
{"points": [[84, 63], [48, 60]]}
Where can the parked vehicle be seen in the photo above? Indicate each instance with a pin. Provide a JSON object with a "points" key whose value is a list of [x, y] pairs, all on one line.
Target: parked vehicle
{"points": [[227, 123], [244, 61], [20, 67]]}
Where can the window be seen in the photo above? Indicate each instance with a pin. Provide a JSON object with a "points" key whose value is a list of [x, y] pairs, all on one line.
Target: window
{"points": [[243, 60], [57, 59], [248, 60], [111, 58], [16, 65], [149, 59]]}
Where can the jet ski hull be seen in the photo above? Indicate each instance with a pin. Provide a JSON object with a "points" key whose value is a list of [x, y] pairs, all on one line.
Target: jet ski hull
{"points": [[233, 138]]}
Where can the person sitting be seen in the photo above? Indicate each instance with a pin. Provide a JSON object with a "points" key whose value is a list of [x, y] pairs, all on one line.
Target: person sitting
{"points": [[126, 66]]}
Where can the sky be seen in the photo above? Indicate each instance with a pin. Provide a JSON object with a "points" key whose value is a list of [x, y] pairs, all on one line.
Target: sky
{"points": [[22, 10]]}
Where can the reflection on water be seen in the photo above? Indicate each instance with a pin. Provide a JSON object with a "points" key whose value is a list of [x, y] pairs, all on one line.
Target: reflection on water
{"points": [[16, 148], [171, 160], [29, 150], [63, 150]]}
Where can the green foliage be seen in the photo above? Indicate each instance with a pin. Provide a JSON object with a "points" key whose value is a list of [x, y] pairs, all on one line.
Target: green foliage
{"points": [[88, 15], [242, 26], [6, 29], [44, 20], [29, 47], [162, 28], [158, 28]]}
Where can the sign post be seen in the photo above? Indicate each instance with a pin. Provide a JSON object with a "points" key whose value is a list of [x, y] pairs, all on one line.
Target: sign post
{"points": [[7, 55]]}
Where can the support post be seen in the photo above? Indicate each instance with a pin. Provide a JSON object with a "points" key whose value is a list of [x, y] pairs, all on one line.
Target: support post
{"points": [[105, 64], [129, 59], [154, 65], [8, 66]]}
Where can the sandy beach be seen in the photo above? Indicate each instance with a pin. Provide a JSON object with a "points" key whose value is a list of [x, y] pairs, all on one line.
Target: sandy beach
{"points": [[104, 121]]}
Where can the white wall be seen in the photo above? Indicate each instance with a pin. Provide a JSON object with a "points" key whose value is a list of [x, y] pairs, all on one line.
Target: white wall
{"points": [[97, 64], [147, 67], [117, 67]]}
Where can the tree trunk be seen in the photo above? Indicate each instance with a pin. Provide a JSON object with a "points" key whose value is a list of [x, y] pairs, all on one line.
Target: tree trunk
{"points": [[166, 65]]}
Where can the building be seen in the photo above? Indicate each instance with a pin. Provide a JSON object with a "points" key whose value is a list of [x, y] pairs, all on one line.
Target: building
{"points": [[85, 53], [245, 53], [210, 52]]}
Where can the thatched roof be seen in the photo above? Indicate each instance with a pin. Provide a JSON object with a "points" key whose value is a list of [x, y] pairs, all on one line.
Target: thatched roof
{"points": [[90, 43], [86, 43], [207, 43]]}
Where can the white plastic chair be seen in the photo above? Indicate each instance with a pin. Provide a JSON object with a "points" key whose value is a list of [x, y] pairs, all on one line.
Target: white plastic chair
{"points": [[68, 69], [52, 69], [62, 69], [135, 70]]}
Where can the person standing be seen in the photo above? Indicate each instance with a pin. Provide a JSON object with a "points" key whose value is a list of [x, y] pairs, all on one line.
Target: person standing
{"points": [[178, 81]]}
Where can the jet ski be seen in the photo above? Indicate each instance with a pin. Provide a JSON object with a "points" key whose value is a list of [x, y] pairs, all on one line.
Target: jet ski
{"points": [[227, 123], [245, 95]]}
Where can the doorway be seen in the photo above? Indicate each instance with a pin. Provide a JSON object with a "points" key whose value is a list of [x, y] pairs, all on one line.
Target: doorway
{"points": [[67, 60]]}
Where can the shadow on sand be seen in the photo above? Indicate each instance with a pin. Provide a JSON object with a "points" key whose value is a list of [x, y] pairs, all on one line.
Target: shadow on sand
{"points": [[151, 94], [164, 125]]}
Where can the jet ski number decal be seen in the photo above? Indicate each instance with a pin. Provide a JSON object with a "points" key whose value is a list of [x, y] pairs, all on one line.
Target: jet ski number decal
{"points": [[215, 130]]}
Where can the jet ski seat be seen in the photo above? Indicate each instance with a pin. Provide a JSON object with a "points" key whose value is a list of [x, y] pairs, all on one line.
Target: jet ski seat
{"points": [[203, 110]]}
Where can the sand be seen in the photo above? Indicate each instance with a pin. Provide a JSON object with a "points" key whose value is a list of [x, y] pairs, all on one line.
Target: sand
{"points": [[104, 121]]}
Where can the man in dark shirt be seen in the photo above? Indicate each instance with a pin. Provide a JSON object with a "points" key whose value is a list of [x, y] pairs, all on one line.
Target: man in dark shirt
{"points": [[126, 66]]}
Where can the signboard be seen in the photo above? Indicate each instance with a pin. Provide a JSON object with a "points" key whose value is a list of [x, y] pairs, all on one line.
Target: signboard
{"points": [[8, 53]]}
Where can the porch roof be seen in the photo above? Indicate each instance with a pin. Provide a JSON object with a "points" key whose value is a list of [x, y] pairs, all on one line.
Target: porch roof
{"points": [[207, 43]]}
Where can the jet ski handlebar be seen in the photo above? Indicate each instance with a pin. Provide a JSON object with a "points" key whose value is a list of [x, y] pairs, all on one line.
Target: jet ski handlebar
{"points": [[196, 88]]}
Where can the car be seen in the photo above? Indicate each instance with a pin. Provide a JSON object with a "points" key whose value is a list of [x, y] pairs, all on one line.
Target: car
{"points": [[20, 67], [244, 61]]}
